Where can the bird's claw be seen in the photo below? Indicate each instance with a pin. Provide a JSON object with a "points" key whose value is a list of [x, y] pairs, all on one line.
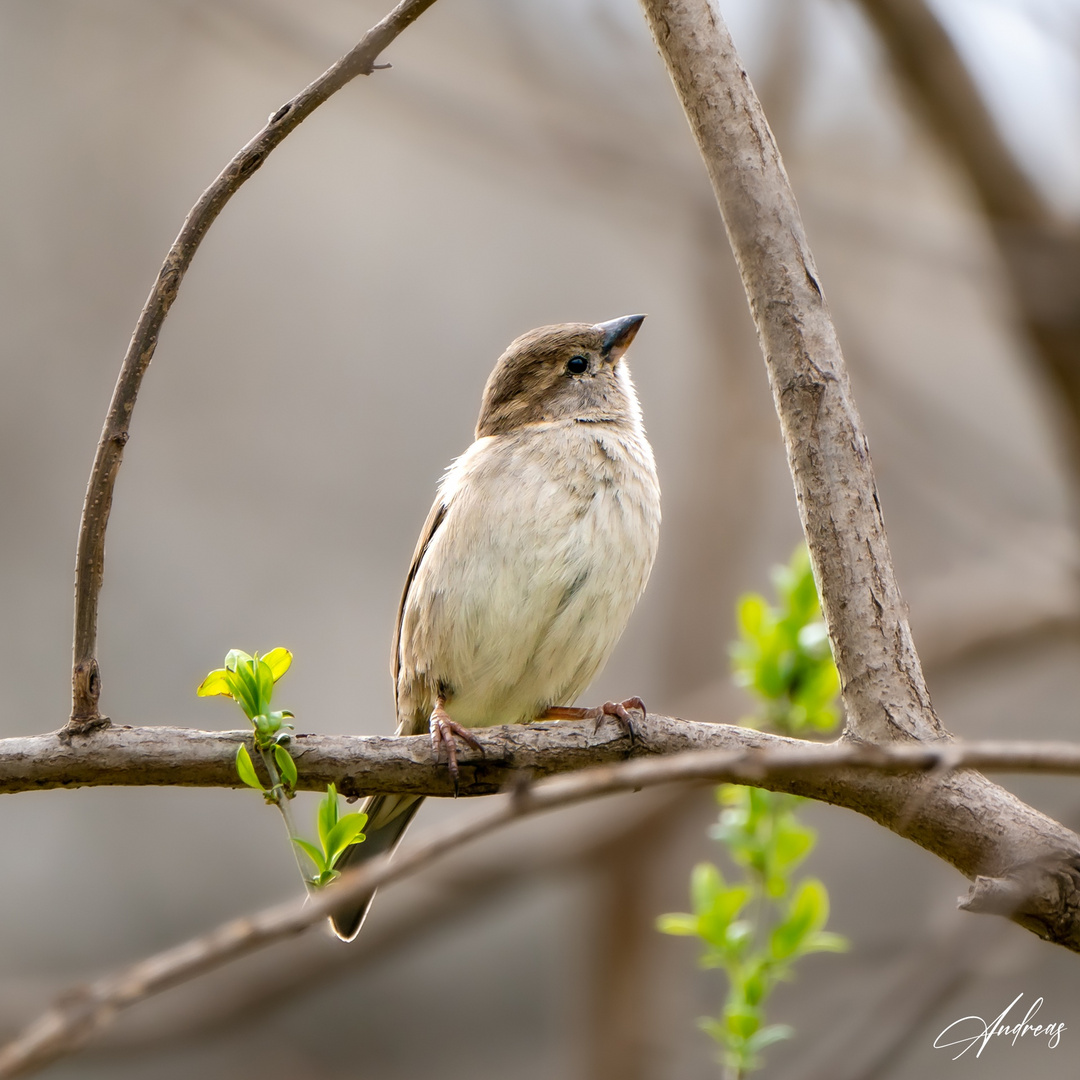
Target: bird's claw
{"points": [[620, 712], [443, 730]]}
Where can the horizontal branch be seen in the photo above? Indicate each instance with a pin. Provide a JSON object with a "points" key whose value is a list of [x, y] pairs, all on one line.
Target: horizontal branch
{"points": [[358, 765], [122, 756], [776, 763], [962, 817]]}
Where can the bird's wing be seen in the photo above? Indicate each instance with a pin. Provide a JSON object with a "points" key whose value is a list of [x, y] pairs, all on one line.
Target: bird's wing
{"points": [[435, 518]]}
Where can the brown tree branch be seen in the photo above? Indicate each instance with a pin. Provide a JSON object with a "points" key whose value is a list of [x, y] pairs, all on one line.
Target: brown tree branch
{"points": [[981, 829], [83, 1010], [884, 691], [90, 557], [838, 772]]}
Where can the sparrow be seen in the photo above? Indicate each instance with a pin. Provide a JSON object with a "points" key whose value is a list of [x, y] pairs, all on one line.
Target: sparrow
{"points": [[537, 547]]}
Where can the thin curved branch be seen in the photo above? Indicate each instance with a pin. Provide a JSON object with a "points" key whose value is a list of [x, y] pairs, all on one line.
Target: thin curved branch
{"points": [[90, 558], [86, 1009]]}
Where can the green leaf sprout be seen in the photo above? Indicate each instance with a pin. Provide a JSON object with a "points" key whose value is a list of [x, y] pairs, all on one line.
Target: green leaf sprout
{"points": [[337, 833], [756, 928]]}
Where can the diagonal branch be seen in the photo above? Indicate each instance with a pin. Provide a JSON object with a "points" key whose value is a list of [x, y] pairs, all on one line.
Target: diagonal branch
{"points": [[84, 1010], [884, 691], [90, 558]]}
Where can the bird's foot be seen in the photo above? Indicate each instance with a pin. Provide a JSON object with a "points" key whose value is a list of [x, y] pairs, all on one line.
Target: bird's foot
{"points": [[620, 710], [443, 730]]}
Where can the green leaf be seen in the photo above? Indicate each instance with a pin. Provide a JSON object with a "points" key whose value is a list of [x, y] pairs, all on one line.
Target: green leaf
{"points": [[328, 814], [791, 844], [774, 1033], [714, 1029], [286, 764], [714, 924], [769, 680], [313, 853], [677, 923], [755, 985], [752, 612], [824, 941], [234, 658], [809, 911], [348, 831], [264, 685], [741, 1021], [246, 769], [217, 682], [279, 661], [706, 882], [245, 691], [811, 901], [739, 936]]}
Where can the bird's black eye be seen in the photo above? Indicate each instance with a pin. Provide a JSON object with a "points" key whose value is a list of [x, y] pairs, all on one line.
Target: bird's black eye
{"points": [[577, 365]]}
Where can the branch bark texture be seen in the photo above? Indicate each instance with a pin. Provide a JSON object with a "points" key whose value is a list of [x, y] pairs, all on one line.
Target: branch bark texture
{"points": [[884, 690], [361, 765], [90, 557]]}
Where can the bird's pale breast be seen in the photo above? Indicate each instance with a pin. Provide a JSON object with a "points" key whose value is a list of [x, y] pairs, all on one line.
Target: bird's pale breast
{"points": [[547, 542]]}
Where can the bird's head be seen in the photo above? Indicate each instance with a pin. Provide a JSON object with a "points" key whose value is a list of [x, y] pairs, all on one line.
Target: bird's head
{"points": [[573, 371]]}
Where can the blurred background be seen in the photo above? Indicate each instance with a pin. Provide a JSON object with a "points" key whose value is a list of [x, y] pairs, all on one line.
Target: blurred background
{"points": [[523, 163]]}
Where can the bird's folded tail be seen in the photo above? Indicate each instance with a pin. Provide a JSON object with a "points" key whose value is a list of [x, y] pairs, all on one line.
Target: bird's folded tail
{"points": [[388, 818]]}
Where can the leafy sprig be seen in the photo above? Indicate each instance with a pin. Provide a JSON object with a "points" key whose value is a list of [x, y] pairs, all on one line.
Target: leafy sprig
{"points": [[755, 929], [337, 833], [782, 656], [249, 680]]}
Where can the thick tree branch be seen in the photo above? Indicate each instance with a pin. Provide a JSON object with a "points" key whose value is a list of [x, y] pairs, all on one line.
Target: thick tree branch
{"points": [[90, 558], [373, 764], [884, 690], [86, 1009], [979, 828]]}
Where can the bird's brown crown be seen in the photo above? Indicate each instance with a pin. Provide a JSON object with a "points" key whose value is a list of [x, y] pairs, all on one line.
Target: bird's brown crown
{"points": [[562, 372]]}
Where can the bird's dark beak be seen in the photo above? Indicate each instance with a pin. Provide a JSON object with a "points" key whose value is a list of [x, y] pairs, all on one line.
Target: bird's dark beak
{"points": [[618, 333]]}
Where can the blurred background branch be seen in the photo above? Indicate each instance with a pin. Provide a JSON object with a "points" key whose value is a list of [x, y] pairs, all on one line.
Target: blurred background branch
{"points": [[1040, 247]]}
